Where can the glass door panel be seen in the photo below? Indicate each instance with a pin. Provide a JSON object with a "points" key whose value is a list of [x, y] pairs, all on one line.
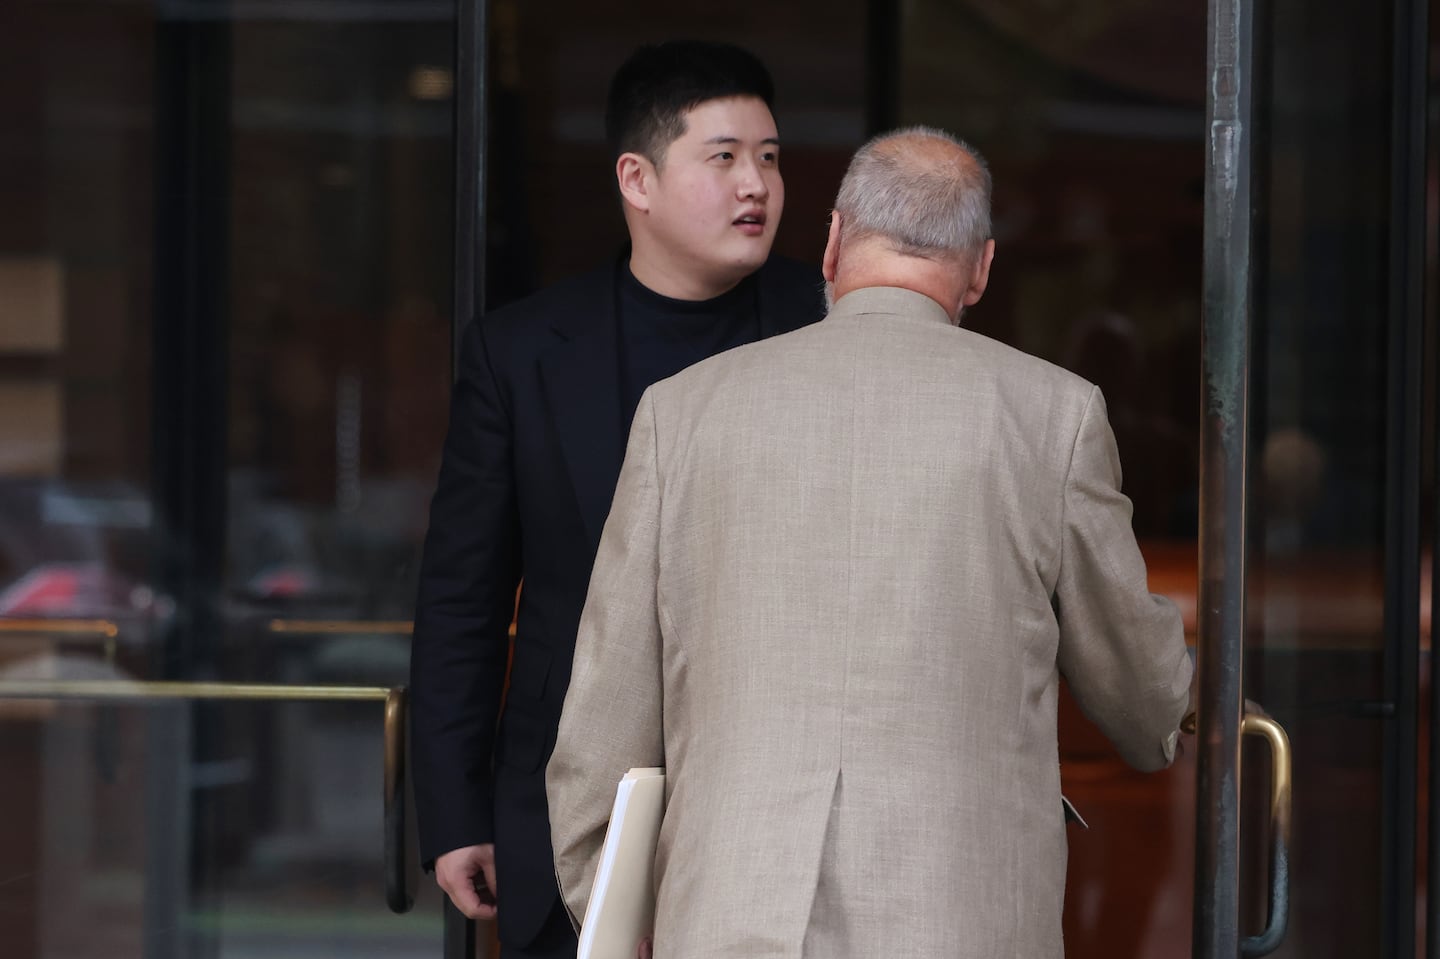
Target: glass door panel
{"points": [[1328, 148], [225, 272], [1332, 646]]}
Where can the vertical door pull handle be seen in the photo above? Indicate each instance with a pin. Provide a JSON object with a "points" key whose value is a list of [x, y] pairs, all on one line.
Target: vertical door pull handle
{"points": [[1258, 724]]}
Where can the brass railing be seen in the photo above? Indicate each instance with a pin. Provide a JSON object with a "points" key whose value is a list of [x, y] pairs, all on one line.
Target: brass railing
{"points": [[62, 627], [326, 627], [92, 632], [399, 884], [105, 633]]}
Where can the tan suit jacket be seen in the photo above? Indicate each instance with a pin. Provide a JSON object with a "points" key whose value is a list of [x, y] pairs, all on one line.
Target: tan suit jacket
{"points": [[842, 576]]}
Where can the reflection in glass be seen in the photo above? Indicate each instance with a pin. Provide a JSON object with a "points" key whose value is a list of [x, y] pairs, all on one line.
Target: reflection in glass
{"points": [[294, 852], [224, 367]]}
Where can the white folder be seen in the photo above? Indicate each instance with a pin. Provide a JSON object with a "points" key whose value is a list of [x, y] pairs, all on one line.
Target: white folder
{"points": [[621, 911]]}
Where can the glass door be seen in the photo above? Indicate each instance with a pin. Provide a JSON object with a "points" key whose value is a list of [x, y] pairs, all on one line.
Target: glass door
{"points": [[225, 296], [1312, 462]]}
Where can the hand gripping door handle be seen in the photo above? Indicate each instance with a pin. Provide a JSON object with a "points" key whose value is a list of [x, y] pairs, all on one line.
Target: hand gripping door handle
{"points": [[1258, 724]]}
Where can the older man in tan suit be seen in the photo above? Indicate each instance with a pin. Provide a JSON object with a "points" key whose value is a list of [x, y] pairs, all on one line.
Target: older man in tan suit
{"points": [[843, 574]]}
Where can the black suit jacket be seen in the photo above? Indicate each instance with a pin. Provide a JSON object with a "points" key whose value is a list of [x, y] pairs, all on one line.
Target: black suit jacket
{"points": [[531, 460]]}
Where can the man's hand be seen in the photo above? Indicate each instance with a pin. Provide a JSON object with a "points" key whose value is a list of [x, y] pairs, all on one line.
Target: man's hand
{"points": [[646, 950], [467, 875]]}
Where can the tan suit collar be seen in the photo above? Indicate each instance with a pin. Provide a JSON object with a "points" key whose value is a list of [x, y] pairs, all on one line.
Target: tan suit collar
{"points": [[892, 300]]}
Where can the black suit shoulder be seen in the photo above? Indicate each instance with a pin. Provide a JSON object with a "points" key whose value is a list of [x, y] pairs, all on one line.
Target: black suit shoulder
{"points": [[558, 300], [790, 295], [529, 322], [503, 341]]}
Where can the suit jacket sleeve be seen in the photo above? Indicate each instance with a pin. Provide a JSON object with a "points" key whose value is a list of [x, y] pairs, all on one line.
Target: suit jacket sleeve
{"points": [[466, 598], [1121, 650], [611, 721]]}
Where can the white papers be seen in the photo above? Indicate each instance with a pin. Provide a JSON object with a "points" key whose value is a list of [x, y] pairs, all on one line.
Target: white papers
{"points": [[1071, 813], [621, 911]]}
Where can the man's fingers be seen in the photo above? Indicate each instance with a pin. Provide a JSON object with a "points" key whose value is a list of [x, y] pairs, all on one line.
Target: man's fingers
{"points": [[646, 950], [468, 877], [487, 876], [466, 899]]}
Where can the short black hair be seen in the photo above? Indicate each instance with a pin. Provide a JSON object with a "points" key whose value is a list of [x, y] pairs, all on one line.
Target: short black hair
{"points": [[659, 83]]}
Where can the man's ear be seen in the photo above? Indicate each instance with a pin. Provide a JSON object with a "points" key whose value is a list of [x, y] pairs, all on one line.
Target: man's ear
{"points": [[832, 249], [980, 277], [633, 174]]}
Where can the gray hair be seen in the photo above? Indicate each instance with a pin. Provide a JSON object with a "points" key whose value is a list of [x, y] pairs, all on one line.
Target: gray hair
{"points": [[927, 203]]}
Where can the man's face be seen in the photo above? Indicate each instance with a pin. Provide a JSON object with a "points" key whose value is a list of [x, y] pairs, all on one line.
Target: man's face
{"points": [[717, 196]]}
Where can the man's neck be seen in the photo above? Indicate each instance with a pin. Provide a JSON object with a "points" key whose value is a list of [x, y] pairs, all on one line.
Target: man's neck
{"points": [[676, 284], [930, 278]]}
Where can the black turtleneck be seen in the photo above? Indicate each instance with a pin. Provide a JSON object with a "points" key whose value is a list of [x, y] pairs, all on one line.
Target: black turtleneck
{"points": [[659, 336]]}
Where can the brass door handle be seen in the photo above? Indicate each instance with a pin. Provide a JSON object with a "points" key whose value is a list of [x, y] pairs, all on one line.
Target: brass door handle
{"points": [[399, 889], [399, 884], [1257, 724]]}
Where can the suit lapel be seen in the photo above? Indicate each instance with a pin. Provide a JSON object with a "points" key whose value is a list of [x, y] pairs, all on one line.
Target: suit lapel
{"points": [[581, 381]]}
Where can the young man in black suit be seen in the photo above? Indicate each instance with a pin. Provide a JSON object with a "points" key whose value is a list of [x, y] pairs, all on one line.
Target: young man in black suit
{"points": [[538, 422]]}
